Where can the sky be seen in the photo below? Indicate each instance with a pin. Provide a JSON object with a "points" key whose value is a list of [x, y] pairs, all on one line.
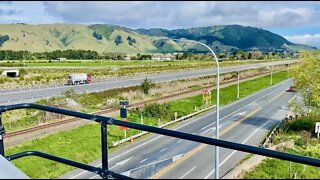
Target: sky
{"points": [[297, 21]]}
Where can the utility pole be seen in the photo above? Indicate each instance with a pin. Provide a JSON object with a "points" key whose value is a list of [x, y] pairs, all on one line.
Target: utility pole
{"points": [[238, 94]]}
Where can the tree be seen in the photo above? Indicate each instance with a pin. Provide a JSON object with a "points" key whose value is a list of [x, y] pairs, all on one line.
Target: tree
{"points": [[146, 85], [306, 78], [118, 40]]}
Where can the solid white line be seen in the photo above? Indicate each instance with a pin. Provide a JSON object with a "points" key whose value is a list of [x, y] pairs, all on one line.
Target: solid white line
{"points": [[236, 150], [143, 160], [179, 141], [187, 172]]}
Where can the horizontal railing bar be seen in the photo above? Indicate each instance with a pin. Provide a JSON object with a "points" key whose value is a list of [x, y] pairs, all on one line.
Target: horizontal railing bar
{"points": [[221, 143], [55, 158], [171, 133], [93, 169]]}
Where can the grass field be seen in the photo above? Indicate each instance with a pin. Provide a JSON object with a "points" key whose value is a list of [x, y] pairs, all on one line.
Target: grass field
{"points": [[108, 63], [83, 144]]}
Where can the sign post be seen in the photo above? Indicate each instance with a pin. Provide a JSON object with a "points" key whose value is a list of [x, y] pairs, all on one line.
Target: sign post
{"points": [[123, 115], [206, 96], [317, 129]]}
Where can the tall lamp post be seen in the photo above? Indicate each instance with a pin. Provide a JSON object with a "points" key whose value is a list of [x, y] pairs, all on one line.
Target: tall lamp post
{"points": [[238, 94], [217, 104]]}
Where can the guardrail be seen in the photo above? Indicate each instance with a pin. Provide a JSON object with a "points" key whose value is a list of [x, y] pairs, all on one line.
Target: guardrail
{"points": [[161, 126], [104, 172]]}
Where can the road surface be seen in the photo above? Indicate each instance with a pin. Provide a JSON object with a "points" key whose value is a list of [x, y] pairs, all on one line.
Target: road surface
{"points": [[27, 95], [245, 121]]}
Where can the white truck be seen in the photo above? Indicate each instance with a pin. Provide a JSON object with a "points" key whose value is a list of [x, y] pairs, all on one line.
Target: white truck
{"points": [[79, 78]]}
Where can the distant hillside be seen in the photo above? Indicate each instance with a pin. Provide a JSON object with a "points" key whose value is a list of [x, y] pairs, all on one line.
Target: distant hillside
{"points": [[227, 37], [110, 38]]}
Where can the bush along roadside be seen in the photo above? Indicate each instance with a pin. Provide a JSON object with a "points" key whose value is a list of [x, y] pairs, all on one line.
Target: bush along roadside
{"points": [[301, 133], [82, 144]]}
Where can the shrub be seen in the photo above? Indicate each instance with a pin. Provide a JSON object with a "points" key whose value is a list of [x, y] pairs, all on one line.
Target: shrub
{"points": [[146, 85], [71, 93], [163, 111], [304, 123]]}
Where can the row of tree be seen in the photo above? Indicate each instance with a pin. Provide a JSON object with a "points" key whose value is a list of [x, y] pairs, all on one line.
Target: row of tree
{"points": [[68, 54], [88, 54]]}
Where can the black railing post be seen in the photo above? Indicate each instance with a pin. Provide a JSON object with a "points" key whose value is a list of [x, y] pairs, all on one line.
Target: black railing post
{"points": [[2, 132], [104, 147]]}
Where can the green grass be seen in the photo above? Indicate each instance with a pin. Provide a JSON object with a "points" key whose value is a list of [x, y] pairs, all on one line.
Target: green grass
{"points": [[278, 169], [227, 94], [108, 63], [83, 144]]}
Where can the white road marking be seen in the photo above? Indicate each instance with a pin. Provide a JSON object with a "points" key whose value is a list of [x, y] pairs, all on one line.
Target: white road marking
{"points": [[143, 160], [174, 158], [197, 120], [94, 177], [208, 126], [141, 145], [163, 149], [208, 130], [213, 129], [123, 162], [187, 172], [236, 150], [242, 113], [179, 141]]}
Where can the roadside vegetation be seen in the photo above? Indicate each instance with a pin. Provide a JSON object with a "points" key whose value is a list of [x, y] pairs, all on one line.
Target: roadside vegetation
{"points": [[83, 143], [300, 131], [91, 102], [43, 72]]}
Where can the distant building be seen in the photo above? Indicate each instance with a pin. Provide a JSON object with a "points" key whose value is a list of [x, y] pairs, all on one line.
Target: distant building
{"points": [[162, 57], [169, 57], [127, 58], [157, 56], [61, 59]]}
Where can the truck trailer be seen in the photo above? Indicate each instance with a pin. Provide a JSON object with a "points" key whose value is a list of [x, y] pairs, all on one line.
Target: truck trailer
{"points": [[79, 78]]}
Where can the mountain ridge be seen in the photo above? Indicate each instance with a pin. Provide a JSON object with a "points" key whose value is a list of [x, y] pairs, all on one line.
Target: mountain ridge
{"points": [[112, 38]]}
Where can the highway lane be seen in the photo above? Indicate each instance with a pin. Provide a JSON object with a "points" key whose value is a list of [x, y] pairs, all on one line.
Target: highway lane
{"points": [[145, 158], [251, 131], [31, 94]]}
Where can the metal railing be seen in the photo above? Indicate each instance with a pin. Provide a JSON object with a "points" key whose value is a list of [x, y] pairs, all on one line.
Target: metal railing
{"points": [[104, 172]]}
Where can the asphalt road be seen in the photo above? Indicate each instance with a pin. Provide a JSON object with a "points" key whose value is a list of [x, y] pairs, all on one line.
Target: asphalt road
{"points": [[245, 121], [33, 94]]}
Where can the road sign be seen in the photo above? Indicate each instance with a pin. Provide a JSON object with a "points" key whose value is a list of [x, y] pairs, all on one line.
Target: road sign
{"points": [[124, 103]]}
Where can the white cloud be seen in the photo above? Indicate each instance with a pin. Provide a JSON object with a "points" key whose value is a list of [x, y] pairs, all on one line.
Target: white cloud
{"points": [[167, 14], [313, 40]]}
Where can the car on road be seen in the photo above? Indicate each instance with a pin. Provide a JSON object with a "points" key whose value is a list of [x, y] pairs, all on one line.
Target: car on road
{"points": [[291, 89]]}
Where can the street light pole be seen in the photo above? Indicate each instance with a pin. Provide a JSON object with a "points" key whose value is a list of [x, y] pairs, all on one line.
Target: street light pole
{"points": [[217, 104], [238, 95], [271, 72]]}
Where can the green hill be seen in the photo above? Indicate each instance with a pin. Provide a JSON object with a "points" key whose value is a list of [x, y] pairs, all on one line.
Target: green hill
{"points": [[228, 37], [110, 38]]}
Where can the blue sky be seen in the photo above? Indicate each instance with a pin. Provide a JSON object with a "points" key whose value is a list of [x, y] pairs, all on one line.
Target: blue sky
{"points": [[297, 21]]}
